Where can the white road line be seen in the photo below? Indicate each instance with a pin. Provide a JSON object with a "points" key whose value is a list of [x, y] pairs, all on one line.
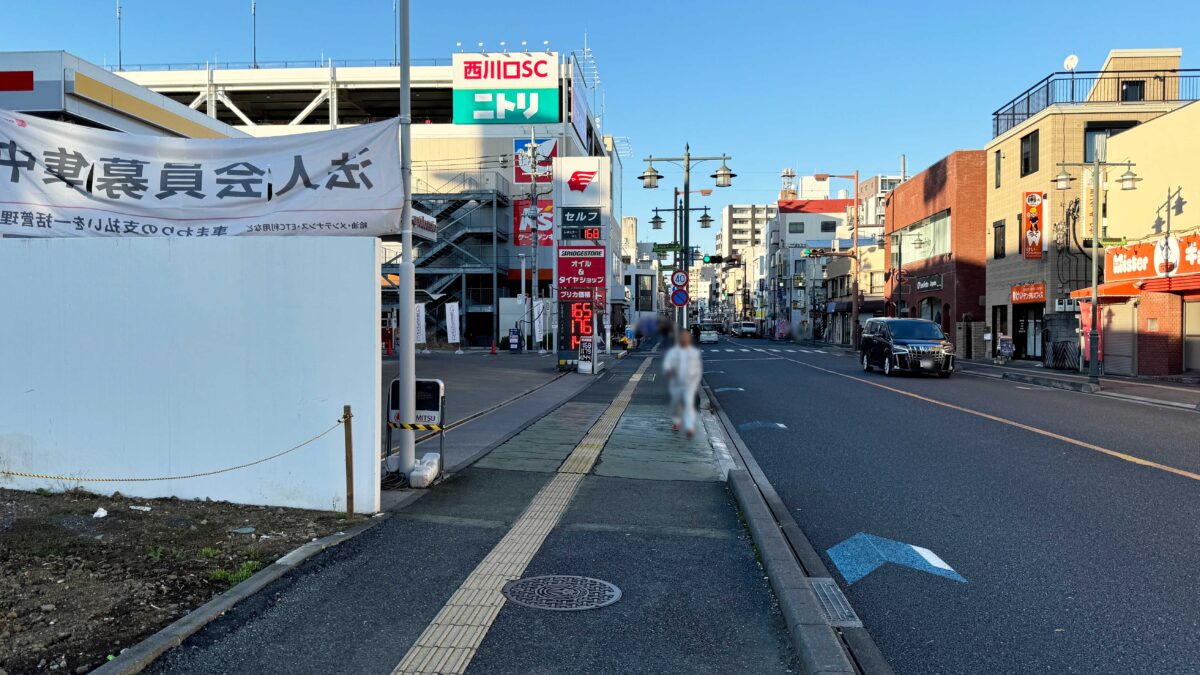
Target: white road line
{"points": [[774, 350], [804, 351], [820, 351], [745, 350], [730, 350]]}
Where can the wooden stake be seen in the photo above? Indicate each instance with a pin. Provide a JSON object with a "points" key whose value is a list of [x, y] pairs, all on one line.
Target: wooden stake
{"points": [[346, 417]]}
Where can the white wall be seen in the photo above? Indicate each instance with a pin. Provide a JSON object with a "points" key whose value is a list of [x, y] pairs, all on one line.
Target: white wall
{"points": [[127, 358]]}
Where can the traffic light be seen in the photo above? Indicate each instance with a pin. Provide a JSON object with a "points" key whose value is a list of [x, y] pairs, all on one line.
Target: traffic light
{"points": [[713, 259], [812, 252]]}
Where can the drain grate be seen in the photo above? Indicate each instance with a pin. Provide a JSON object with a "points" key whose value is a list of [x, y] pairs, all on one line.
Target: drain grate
{"points": [[561, 593], [837, 609]]}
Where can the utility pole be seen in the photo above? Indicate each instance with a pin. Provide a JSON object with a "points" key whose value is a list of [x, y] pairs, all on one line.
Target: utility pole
{"points": [[854, 305], [254, 32], [120, 46], [408, 285]]}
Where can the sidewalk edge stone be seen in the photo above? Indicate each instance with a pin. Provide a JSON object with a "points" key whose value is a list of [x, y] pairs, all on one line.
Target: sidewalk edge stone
{"points": [[1053, 382]]}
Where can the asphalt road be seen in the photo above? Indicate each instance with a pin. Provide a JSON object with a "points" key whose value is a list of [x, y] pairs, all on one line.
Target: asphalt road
{"points": [[1074, 519]]}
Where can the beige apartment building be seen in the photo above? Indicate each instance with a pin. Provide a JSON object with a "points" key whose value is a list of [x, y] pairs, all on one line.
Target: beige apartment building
{"points": [[1033, 264]]}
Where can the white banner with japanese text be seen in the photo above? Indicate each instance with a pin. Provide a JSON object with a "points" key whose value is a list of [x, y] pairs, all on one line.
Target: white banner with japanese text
{"points": [[66, 180], [452, 335], [419, 334], [539, 320]]}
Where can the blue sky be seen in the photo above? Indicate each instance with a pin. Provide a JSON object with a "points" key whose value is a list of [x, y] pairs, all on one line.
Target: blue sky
{"points": [[816, 86]]}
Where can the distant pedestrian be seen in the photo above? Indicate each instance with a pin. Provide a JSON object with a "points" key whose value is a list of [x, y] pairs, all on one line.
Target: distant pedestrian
{"points": [[684, 368]]}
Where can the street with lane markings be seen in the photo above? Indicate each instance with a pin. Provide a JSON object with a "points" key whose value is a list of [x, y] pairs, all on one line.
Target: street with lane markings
{"points": [[977, 524]]}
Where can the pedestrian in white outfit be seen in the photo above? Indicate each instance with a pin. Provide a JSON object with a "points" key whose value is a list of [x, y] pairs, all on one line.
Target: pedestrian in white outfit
{"points": [[684, 369]]}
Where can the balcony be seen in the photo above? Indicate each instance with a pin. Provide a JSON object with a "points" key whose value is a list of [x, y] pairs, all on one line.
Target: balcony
{"points": [[1125, 86]]}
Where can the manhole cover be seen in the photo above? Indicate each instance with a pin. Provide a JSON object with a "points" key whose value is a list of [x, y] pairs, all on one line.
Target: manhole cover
{"points": [[561, 593]]}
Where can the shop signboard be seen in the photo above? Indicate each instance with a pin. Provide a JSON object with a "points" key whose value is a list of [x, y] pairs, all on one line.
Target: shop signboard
{"points": [[581, 266], [1165, 256], [580, 113], [933, 282], [582, 181], [505, 88], [542, 162], [1029, 293], [523, 223], [1032, 225]]}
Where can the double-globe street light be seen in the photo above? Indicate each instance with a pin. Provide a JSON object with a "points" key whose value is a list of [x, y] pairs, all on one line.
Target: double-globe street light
{"points": [[723, 176], [677, 212], [854, 301], [1128, 181]]}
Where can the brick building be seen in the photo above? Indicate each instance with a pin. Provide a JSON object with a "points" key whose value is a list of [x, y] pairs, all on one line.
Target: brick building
{"points": [[935, 229]]}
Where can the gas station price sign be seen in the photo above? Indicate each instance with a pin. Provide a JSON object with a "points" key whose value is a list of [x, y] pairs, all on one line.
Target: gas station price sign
{"points": [[595, 233], [575, 321]]}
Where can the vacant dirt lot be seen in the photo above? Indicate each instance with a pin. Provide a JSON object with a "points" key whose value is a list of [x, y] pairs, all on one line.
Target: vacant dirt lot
{"points": [[75, 589]]}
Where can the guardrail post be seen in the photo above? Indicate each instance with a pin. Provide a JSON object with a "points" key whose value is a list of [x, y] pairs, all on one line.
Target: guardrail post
{"points": [[346, 417]]}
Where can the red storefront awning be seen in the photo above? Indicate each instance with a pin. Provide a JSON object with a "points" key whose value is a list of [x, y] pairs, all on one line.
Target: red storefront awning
{"points": [[1113, 290], [1186, 284]]}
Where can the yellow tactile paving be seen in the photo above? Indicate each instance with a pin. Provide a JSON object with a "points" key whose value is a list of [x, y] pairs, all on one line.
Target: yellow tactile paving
{"points": [[449, 642]]}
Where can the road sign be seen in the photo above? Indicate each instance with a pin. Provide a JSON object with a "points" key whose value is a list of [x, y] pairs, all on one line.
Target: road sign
{"points": [[679, 297], [679, 278], [666, 248]]}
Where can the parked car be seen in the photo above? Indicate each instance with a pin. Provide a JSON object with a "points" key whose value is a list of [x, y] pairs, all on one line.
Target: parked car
{"points": [[906, 345], [708, 333]]}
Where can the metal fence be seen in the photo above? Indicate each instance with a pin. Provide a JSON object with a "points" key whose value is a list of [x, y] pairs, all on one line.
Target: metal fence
{"points": [[1127, 86], [250, 65]]}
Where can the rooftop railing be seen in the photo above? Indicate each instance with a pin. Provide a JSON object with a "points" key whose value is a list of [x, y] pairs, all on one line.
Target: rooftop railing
{"points": [[1124, 86], [262, 65]]}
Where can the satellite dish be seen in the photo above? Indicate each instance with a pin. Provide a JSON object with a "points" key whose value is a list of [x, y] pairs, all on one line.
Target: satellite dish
{"points": [[1070, 62]]}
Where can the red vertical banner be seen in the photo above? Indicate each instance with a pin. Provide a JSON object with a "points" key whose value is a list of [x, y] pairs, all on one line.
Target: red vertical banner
{"points": [[1085, 320], [1032, 226]]}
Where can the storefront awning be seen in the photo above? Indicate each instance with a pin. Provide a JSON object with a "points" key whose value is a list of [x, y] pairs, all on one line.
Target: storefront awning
{"points": [[1114, 290], [1189, 283]]}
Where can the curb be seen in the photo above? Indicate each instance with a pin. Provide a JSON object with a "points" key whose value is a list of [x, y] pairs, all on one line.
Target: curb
{"points": [[792, 564], [1054, 383], [139, 656], [812, 637]]}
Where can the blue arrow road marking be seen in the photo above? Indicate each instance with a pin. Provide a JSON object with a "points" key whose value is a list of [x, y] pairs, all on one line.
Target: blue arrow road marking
{"points": [[864, 553]]}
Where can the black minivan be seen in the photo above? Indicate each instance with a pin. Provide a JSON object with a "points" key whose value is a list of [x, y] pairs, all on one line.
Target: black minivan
{"points": [[909, 345]]}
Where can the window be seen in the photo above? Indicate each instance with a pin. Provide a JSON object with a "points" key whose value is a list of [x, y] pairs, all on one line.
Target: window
{"points": [[876, 282], [1029, 153], [829, 226], [922, 240], [1133, 90], [1096, 135], [997, 167], [795, 228], [998, 239]]}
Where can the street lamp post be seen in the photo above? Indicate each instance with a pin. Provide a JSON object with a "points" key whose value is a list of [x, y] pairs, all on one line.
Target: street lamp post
{"points": [[649, 178], [1128, 181], [677, 213]]}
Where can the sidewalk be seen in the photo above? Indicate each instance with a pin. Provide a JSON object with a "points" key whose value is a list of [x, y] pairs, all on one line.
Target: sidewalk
{"points": [[598, 487], [1144, 390]]}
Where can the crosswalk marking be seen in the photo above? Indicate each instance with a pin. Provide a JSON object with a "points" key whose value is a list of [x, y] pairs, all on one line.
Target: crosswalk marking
{"points": [[775, 350], [805, 351], [729, 350], [745, 350], [790, 351], [820, 351]]}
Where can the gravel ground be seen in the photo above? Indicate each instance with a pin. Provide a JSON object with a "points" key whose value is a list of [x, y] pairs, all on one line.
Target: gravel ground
{"points": [[76, 589]]}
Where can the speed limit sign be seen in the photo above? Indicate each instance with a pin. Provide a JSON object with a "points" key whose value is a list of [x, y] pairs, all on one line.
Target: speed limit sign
{"points": [[679, 278]]}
